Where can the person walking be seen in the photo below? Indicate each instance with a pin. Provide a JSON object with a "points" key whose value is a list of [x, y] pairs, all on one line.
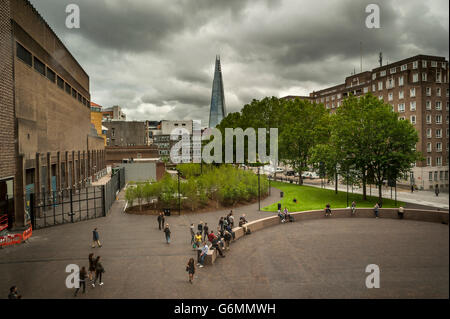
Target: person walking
{"points": [[205, 231], [163, 220], [353, 207], [203, 255], [91, 267], [99, 271], [192, 234], [190, 268], [95, 238], [13, 294], [167, 233], [436, 190], [375, 209], [231, 219], [82, 281], [221, 223], [200, 227], [160, 221]]}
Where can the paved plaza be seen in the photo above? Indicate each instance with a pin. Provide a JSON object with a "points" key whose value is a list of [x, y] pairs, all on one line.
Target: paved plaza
{"points": [[311, 259]]}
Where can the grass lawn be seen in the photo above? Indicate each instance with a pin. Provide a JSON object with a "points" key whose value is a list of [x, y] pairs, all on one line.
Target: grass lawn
{"points": [[312, 198]]}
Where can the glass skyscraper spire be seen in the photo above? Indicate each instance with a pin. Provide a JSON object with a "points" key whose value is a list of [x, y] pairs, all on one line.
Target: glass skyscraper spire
{"points": [[217, 110]]}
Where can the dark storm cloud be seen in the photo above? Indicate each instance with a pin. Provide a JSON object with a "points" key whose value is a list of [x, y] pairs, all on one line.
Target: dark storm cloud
{"points": [[156, 58]]}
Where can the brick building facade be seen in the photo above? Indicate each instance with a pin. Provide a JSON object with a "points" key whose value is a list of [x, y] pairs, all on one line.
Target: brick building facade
{"points": [[418, 89], [47, 144]]}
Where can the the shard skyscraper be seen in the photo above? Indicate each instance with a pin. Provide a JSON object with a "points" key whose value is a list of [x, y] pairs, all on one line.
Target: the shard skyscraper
{"points": [[217, 110]]}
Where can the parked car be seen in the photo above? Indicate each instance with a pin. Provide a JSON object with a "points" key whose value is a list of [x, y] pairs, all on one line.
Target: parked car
{"points": [[290, 173], [310, 175], [279, 170]]}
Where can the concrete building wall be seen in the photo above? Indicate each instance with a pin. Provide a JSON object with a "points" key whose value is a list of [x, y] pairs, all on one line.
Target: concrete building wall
{"points": [[96, 119], [168, 126], [126, 133], [139, 172], [115, 154], [7, 126]]}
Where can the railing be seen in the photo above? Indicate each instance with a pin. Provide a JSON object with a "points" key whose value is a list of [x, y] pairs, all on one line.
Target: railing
{"points": [[3, 222]]}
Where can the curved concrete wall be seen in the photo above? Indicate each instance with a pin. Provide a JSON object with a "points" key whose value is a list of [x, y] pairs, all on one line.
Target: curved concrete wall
{"points": [[434, 216]]}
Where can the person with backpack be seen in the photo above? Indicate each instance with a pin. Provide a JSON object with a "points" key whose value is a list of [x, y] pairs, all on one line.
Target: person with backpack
{"points": [[200, 227], [227, 237], [231, 219], [82, 281], [221, 223], [99, 271], [190, 268], [167, 233], [96, 238]]}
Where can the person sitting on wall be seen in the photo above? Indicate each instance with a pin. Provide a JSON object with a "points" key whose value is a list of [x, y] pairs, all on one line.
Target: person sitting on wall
{"points": [[401, 212], [281, 215]]}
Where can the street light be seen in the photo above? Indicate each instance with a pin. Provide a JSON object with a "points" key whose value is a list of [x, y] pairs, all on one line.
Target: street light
{"points": [[179, 198], [259, 193]]}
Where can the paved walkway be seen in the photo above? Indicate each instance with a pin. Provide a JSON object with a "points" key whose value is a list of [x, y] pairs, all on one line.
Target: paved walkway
{"points": [[317, 259]]}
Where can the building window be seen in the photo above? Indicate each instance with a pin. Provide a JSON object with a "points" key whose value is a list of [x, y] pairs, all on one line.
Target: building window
{"points": [[430, 175], [433, 64], [74, 93], [80, 98], [39, 66], [436, 174], [401, 94], [438, 91], [424, 77], [60, 82], [380, 97], [68, 88], [401, 118], [428, 117], [438, 133], [438, 162], [444, 66], [415, 77], [393, 70], [438, 119], [429, 161], [390, 83], [24, 54], [412, 92], [438, 105], [401, 108], [438, 76], [400, 81], [412, 105], [374, 76], [113, 132], [366, 89], [428, 105], [51, 75], [446, 119], [380, 86], [383, 73], [429, 132], [404, 67], [429, 148], [428, 91], [438, 147], [415, 64], [424, 64], [446, 106], [413, 119], [390, 96]]}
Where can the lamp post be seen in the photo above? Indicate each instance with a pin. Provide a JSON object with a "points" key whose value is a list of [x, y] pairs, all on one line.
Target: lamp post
{"points": [[179, 198], [347, 186], [259, 193]]}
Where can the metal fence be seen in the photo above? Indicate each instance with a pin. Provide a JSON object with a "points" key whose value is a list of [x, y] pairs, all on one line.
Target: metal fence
{"points": [[74, 205]]}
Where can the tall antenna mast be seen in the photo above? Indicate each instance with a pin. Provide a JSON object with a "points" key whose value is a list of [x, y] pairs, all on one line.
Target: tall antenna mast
{"points": [[380, 59]]}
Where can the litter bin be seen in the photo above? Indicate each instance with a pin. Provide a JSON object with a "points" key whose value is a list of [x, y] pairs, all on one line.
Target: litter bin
{"points": [[281, 194], [166, 211]]}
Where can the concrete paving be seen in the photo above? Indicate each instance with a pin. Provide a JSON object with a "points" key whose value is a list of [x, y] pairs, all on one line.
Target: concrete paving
{"points": [[313, 259]]}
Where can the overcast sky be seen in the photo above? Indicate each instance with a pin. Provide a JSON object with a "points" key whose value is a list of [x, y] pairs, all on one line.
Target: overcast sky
{"points": [[156, 58]]}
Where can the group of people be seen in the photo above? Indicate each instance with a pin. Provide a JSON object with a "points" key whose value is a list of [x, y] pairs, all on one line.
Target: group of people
{"points": [[162, 225], [285, 216], [94, 273]]}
